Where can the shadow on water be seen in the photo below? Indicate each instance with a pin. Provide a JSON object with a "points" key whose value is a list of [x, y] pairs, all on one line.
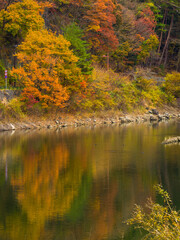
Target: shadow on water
{"points": [[83, 183]]}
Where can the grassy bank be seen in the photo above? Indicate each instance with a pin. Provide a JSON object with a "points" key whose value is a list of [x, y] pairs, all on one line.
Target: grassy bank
{"points": [[106, 94]]}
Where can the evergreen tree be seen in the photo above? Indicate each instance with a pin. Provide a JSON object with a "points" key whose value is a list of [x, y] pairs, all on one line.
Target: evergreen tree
{"points": [[74, 34]]}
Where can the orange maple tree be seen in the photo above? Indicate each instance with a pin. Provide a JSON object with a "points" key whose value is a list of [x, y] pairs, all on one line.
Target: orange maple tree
{"points": [[146, 23], [40, 83], [49, 73], [100, 20]]}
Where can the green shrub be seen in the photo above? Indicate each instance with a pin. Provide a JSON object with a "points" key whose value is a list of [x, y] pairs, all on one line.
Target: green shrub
{"points": [[172, 84], [15, 106], [160, 222], [144, 84], [2, 110], [109, 90], [12, 109], [2, 71], [126, 96]]}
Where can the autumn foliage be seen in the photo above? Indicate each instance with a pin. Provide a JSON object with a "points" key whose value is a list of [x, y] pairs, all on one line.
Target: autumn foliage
{"points": [[146, 23], [100, 20], [49, 71], [50, 47], [19, 17]]}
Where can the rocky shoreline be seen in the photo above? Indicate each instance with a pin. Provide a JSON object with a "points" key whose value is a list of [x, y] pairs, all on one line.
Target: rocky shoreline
{"points": [[152, 115], [172, 140]]}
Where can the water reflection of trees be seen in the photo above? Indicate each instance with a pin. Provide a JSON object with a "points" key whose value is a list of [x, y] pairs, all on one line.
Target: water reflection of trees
{"points": [[78, 184], [45, 182]]}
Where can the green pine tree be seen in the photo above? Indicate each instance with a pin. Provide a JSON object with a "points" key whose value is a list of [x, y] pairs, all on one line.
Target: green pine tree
{"points": [[74, 34]]}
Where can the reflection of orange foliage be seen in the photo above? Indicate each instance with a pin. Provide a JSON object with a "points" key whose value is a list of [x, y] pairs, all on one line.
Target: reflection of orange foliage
{"points": [[38, 187], [48, 182], [38, 182], [104, 212], [49, 169]]}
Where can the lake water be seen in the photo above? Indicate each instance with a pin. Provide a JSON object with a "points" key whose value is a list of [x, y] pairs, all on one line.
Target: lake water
{"points": [[82, 183]]}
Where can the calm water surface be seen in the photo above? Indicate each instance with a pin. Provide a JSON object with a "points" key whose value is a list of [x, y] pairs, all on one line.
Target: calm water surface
{"points": [[82, 184]]}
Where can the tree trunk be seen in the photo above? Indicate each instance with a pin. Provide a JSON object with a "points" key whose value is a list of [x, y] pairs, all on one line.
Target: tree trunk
{"points": [[166, 56], [160, 40], [178, 62], [167, 40]]}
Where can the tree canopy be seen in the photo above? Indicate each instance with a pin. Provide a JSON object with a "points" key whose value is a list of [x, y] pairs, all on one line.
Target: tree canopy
{"points": [[54, 45]]}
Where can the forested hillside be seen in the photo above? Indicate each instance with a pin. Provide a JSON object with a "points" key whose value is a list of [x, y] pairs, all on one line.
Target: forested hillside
{"points": [[90, 54]]}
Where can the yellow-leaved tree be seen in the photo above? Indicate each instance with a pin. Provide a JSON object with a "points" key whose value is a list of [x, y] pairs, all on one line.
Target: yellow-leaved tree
{"points": [[48, 73], [16, 19], [19, 17]]}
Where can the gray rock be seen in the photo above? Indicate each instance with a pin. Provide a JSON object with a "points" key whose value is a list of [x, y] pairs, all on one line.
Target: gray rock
{"points": [[88, 120], [139, 119], [126, 119], [153, 118], [25, 126], [2, 127], [173, 116], [130, 119], [113, 121], [33, 125], [171, 140], [160, 117], [122, 119], [7, 127], [64, 125], [154, 111], [166, 115], [146, 118], [12, 127]]}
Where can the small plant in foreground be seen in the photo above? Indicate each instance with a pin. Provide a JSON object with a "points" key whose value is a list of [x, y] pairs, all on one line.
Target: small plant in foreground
{"points": [[161, 222]]}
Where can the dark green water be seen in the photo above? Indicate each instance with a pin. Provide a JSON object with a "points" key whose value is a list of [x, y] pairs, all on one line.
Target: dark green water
{"points": [[81, 184]]}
